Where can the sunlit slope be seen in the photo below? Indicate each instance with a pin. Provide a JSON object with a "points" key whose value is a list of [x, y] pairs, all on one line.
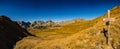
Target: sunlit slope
{"points": [[60, 32], [85, 35]]}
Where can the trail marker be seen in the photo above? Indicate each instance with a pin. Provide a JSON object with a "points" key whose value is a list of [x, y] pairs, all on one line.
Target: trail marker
{"points": [[107, 21]]}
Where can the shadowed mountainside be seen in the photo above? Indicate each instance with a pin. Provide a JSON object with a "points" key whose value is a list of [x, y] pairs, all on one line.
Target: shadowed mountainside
{"points": [[10, 33]]}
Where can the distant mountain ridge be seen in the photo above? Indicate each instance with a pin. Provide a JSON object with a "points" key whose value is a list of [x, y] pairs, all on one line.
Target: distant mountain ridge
{"points": [[49, 23], [70, 21]]}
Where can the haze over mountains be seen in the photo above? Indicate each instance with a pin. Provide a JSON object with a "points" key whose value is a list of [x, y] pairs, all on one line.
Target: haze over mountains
{"points": [[73, 34]]}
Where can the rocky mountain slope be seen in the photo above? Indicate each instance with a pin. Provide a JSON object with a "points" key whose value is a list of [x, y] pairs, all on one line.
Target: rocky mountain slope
{"points": [[10, 33], [23, 24], [42, 24]]}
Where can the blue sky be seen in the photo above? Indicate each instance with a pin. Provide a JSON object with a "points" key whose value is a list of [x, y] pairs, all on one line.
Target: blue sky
{"points": [[56, 10]]}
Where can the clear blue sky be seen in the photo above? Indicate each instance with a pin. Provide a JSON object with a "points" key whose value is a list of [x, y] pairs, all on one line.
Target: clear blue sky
{"points": [[56, 10]]}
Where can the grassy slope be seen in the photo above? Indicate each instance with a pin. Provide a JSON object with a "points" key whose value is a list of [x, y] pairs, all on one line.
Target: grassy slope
{"points": [[61, 32], [84, 35]]}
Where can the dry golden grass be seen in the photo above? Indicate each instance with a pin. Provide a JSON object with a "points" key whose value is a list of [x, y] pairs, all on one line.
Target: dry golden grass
{"points": [[61, 32]]}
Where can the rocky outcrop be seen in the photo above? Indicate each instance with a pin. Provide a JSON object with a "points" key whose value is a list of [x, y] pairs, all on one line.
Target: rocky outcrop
{"points": [[10, 33], [42, 24], [38, 24], [24, 24]]}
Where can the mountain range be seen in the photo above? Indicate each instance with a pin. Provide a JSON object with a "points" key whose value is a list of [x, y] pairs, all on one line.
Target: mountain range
{"points": [[47, 24]]}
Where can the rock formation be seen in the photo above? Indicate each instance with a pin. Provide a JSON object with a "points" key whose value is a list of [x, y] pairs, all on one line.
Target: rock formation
{"points": [[42, 24], [24, 24]]}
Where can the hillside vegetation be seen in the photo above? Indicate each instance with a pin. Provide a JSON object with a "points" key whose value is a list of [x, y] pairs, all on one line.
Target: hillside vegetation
{"points": [[81, 35]]}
